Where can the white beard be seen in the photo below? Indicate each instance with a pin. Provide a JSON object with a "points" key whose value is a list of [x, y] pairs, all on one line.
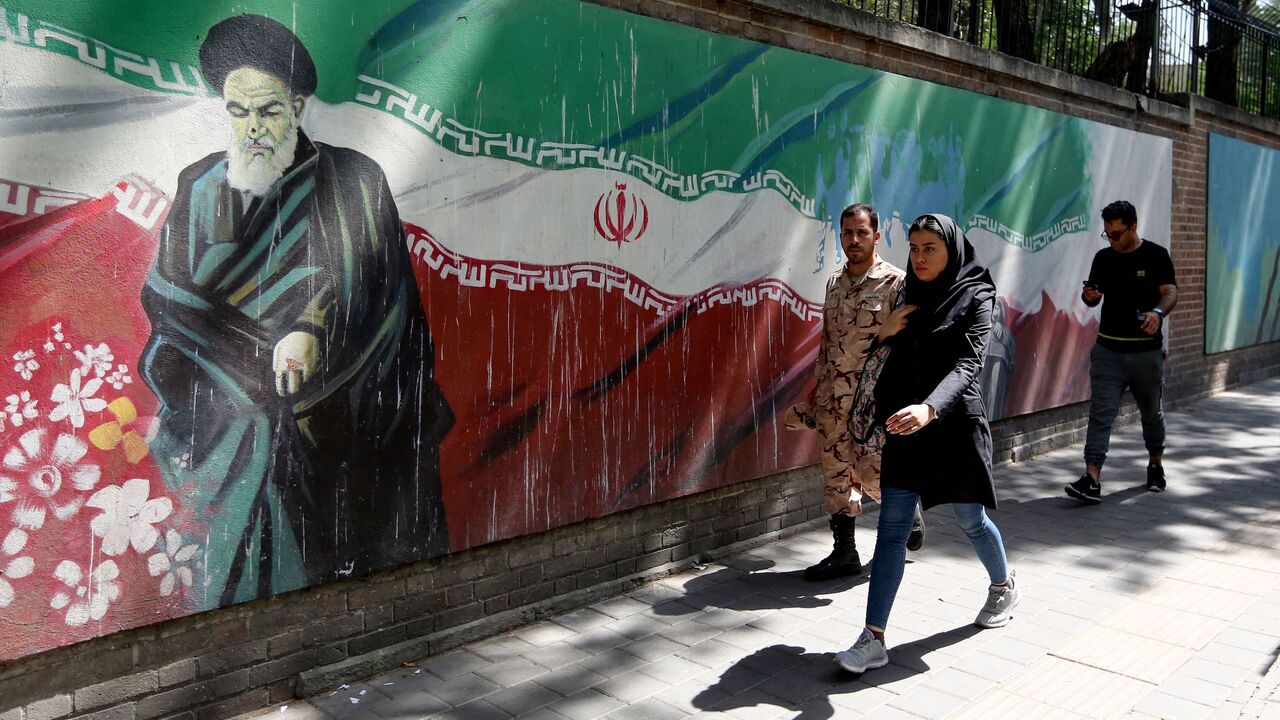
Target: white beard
{"points": [[256, 175]]}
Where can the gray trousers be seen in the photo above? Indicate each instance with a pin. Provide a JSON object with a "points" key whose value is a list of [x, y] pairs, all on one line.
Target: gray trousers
{"points": [[1110, 373]]}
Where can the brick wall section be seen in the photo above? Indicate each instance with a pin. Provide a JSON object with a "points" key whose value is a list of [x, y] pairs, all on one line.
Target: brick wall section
{"points": [[236, 659]]}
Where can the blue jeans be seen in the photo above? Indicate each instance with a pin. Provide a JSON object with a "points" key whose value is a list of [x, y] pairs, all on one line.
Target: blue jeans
{"points": [[897, 508]]}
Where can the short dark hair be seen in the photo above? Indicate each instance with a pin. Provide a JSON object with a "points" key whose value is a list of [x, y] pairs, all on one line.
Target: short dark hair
{"points": [[926, 223], [260, 43], [1121, 210], [859, 209]]}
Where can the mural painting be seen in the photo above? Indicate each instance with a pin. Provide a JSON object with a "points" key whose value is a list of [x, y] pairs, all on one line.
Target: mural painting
{"points": [[285, 303], [1242, 287]]}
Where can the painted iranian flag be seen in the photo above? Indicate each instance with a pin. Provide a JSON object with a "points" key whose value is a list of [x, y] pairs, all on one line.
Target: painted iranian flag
{"points": [[622, 229]]}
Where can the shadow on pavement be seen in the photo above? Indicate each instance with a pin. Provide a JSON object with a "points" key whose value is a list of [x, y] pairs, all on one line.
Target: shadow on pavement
{"points": [[1222, 474], [764, 590], [809, 680]]}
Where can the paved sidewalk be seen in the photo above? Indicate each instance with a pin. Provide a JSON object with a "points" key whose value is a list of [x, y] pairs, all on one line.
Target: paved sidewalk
{"points": [[1147, 606]]}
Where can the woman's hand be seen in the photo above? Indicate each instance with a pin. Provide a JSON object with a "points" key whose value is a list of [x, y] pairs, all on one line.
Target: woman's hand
{"points": [[910, 419], [896, 321]]}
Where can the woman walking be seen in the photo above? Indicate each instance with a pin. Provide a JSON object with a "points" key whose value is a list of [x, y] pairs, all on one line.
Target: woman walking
{"points": [[938, 447]]}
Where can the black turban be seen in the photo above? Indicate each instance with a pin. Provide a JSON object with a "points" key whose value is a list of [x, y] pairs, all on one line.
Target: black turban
{"points": [[260, 43]]}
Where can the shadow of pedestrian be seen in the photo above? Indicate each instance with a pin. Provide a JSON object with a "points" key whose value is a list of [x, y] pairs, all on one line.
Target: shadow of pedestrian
{"points": [[1118, 496], [787, 677], [758, 589]]}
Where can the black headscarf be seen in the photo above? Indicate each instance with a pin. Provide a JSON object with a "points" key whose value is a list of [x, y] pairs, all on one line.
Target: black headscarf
{"points": [[943, 300]]}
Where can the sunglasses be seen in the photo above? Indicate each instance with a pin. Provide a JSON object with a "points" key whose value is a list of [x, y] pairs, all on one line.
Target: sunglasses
{"points": [[1115, 235]]}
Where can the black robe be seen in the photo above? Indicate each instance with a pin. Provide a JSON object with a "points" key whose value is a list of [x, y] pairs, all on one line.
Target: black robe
{"points": [[342, 478]]}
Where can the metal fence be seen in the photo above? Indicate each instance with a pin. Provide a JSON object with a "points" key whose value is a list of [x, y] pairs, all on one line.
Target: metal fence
{"points": [[1159, 48]]}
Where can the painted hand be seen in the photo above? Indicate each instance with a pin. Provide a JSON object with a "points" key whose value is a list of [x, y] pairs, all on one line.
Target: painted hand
{"points": [[910, 419], [294, 361]]}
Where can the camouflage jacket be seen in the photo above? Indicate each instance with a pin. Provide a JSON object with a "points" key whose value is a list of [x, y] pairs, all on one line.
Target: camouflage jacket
{"points": [[852, 315]]}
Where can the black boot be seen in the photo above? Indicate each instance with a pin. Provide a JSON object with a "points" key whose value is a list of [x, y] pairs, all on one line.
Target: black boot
{"points": [[843, 560], [915, 540]]}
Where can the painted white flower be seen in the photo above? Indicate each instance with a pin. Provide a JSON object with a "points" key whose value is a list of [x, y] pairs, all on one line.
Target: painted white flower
{"points": [[96, 359], [20, 408], [25, 363], [128, 517], [44, 477], [172, 563], [56, 338], [88, 598], [120, 377], [13, 566], [73, 400]]}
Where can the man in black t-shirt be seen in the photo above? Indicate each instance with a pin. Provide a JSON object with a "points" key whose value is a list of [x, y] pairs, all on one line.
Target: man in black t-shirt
{"points": [[1136, 277]]}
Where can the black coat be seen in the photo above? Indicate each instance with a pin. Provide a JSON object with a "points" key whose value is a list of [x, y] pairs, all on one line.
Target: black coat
{"points": [[949, 461]]}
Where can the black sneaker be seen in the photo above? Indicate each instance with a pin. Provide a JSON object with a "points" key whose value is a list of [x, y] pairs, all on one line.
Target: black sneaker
{"points": [[1086, 490], [1155, 478]]}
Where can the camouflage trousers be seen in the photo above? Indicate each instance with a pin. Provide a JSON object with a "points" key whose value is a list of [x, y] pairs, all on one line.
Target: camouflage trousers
{"points": [[849, 473]]}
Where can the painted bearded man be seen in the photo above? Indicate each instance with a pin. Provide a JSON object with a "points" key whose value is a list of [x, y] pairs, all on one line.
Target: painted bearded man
{"points": [[300, 417]]}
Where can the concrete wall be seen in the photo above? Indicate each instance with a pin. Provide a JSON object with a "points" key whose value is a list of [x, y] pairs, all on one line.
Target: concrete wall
{"points": [[222, 661]]}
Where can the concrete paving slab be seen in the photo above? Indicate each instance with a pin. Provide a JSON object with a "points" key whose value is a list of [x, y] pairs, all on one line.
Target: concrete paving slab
{"points": [[1147, 606]]}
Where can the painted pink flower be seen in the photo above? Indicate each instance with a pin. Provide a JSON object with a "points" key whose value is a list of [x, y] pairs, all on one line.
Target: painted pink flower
{"points": [[43, 477], [73, 400], [128, 517], [86, 598]]}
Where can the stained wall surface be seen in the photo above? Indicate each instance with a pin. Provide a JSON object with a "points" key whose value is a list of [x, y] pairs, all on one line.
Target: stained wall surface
{"points": [[1242, 293], [293, 294]]}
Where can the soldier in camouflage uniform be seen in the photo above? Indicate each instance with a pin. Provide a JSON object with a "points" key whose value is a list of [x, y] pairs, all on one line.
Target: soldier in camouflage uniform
{"points": [[859, 299]]}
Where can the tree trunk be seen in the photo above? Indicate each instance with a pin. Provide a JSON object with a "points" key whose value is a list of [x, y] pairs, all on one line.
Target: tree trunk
{"points": [[1220, 80], [936, 15], [1103, 10], [1013, 29], [1144, 36]]}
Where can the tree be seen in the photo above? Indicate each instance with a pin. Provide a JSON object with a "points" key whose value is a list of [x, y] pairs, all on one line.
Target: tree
{"points": [[936, 15], [1222, 55], [1145, 18], [1103, 10], [1013, 29]]}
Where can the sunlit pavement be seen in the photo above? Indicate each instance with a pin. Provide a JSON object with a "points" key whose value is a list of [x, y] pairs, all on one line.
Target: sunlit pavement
{"points": [[1147, 606]]}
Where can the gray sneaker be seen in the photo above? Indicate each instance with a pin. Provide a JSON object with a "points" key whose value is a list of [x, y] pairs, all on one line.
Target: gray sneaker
{"points": [[866, 654], [998, 610]]}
